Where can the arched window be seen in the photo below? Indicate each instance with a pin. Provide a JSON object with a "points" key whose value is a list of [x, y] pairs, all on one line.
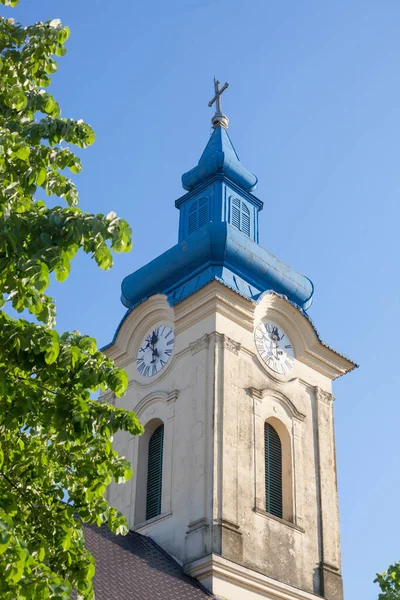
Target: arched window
{"points": [[198, 214], [154, 473], [240, 215], [273, 471]]}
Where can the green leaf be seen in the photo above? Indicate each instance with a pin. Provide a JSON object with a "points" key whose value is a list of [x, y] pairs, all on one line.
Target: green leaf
{"points": [[61, 50], [41, 176], [53, 349], [120, 382], [6, 525], [23, 152], [63, 35], [49, 104]]}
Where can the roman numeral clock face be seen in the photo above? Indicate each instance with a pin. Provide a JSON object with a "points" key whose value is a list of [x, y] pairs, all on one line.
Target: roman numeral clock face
{"points": [[274, 347], [155, 351]]}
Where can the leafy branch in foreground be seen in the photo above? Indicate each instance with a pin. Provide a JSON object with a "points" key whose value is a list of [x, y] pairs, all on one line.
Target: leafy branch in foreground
{"points": [[56, 455], [389, 583]]}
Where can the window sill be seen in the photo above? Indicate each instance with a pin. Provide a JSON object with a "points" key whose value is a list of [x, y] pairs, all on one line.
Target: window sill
{"points": [[149, 522], [264, 513]]}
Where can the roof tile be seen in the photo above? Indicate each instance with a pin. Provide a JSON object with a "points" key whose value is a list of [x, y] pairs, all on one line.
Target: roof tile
{"points": [[134, 567]]}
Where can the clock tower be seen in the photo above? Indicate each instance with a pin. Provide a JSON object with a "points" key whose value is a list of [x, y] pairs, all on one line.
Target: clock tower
{"points": [[235, 475]]}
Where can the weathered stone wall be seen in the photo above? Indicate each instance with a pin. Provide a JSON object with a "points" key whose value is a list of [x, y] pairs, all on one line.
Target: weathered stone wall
{"points": [[214, 397]]}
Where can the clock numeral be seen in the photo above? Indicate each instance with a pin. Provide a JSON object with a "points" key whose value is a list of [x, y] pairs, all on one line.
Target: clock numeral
{"points": [[153, 369], [170, 342], [141, 367], [146, 370], [288, 346], [168, 352], [162, 362], [168, 334]]}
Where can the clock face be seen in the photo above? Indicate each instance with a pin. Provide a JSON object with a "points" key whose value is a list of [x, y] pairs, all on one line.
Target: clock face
{"points": [[155, 351], [274, 347]]}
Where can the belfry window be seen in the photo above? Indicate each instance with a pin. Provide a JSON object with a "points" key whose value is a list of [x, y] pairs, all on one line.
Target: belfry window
{"points": [[240, 215], [198, 214], [273, 471], [154, 473]]}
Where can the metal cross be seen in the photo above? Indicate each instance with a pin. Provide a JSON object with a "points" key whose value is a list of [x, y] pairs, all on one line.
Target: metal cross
{"points": [[217, 97]]}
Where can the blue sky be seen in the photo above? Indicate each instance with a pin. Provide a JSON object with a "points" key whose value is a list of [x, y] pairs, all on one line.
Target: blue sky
{"points": [[314, 105]]}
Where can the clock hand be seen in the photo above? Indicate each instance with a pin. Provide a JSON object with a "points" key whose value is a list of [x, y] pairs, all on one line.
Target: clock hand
{"points": [[155, 354]]}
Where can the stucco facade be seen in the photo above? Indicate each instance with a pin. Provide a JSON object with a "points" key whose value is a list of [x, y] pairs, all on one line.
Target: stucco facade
{"points": [[213, 397]]}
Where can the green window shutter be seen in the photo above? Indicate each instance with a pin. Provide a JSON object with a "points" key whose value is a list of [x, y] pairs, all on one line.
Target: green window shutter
{"points": [[273, 471], [154, 473]]}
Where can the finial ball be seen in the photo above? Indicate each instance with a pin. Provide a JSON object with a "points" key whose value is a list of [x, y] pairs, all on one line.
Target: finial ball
{"points": [[220, 121]]}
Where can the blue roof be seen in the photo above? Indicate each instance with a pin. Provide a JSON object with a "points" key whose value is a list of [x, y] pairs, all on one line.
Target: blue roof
{"points": [[216, 251], [220, 243], [219, 156]]}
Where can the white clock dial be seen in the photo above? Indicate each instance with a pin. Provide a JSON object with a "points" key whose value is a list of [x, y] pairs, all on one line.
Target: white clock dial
{"points": [[274, 347], [155, 351]]}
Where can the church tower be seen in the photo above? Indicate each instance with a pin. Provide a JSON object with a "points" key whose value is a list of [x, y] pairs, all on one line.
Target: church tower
{"points": [[235, 475]]}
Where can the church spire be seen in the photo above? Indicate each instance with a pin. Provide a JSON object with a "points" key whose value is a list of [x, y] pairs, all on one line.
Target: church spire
{"points": [[219, 156], [218, 234]]}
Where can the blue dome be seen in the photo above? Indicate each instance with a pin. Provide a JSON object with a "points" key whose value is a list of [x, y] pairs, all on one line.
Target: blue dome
{"points": [[219, 252]]}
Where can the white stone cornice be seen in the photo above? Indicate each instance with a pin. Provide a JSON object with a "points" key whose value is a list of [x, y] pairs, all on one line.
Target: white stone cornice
{"points": [[323, 396], [200, 344], [172, 396], [232, 581], [231, 345]]}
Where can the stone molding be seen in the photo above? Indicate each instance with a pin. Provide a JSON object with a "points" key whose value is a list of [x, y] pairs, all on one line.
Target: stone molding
{"points": [[172, 396], [142, 527], [219, 574], [196, 525], [231, 345], [229, 525], [324, 396], [260, 394], [149, 399], [264, 513], [226, 342], [108, 397], [200, 344]]}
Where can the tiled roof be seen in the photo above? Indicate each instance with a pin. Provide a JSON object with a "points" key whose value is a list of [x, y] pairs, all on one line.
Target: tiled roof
{"points": [[134, 567]]}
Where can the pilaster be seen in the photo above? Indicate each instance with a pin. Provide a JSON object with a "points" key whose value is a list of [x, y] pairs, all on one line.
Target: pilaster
{"points": [[332, 584]]}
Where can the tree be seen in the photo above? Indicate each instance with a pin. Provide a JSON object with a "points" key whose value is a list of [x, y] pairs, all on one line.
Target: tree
{"points": [[56, 455], [389, 583]]}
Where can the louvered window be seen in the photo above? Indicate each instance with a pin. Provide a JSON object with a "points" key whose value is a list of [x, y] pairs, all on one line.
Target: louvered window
{"points": [[273, 471], [240, 215], [154, 473], [245, 219], [198, 215]]}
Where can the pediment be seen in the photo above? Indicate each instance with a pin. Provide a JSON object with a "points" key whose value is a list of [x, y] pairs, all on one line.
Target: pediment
{"points": [[308, 346]]}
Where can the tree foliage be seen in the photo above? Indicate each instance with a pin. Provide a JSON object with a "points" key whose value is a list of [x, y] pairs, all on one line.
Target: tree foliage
{"points": [[56, 455], [389, 583]]}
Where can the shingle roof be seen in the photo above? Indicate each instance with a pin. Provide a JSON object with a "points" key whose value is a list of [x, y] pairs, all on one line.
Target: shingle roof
{"points": [[134, 567]]}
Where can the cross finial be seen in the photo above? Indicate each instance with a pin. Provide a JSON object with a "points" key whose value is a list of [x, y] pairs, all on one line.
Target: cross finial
{"points": [[219, 119]]}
